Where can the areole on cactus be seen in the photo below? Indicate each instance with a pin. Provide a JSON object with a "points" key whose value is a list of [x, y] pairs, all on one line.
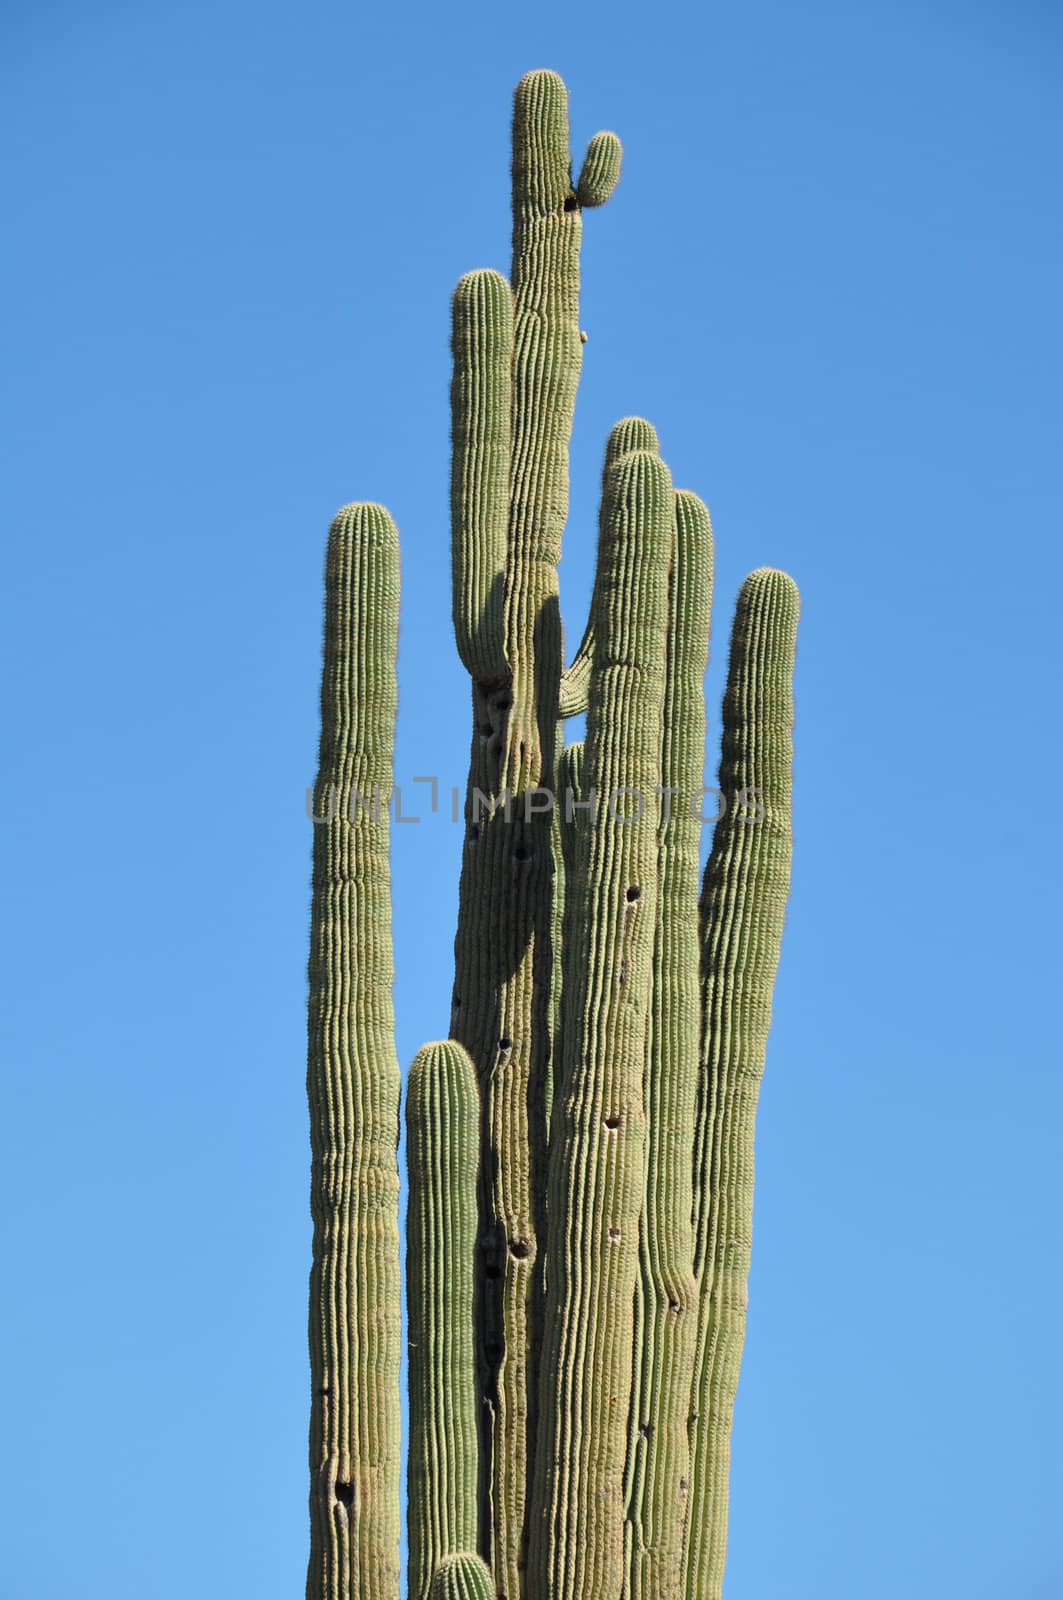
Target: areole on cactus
{"points": [[580, 1147]]}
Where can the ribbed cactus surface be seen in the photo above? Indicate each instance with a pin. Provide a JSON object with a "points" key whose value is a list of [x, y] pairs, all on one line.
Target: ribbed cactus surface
{"points": [[580, 1150], [353, 1079], [443, 1153]]}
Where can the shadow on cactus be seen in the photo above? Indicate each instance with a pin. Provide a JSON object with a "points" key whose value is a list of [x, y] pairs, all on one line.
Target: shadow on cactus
{"points": [[581, 1145]]}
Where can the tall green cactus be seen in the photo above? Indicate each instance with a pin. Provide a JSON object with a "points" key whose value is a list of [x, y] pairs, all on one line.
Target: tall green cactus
{"points": [[580, 1150], [353, 1078]]}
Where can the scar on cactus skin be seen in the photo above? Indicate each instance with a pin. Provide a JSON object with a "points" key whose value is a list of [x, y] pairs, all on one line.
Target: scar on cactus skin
{"points": [[580, 1149]]}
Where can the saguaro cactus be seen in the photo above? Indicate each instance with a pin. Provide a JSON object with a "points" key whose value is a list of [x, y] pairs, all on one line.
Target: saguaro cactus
{"points": [[580, 1149]]}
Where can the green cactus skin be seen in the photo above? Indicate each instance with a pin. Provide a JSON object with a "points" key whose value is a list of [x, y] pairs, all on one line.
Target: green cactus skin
{"points": [[503, 946], [442, 1153], [600, 173], [480, 405], [569, 769], [353, 1081], [743, 905], [597, 1154], [630, 433], [658, 1447], [463, 1577]]}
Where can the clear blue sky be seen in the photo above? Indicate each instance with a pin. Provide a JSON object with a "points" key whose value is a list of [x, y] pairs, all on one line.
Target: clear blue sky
{"points": [[831, 276]]}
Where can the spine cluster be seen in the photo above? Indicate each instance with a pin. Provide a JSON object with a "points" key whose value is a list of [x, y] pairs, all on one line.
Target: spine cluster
{"points": [[580, 1149]]}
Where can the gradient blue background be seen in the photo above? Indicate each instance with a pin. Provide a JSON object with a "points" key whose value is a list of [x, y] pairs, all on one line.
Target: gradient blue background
{"points": [[831, 276]]}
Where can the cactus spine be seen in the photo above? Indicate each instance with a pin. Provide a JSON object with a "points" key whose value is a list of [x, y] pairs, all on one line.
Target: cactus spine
{"points": [[580, 1148]]}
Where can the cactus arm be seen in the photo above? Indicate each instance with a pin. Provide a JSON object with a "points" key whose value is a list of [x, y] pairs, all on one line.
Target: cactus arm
{"points": [[443, 1150], [600, 172], [597, 1153], [658, 1448], [463, 1577], [480, 405], [630, 433], [742, 910], [353, 1081]]}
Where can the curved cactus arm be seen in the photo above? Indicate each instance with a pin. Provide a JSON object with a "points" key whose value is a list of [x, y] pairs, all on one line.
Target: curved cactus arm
{"points": [[743, 906], [480, 405], [630, 433], [597, 1153], [658, 1446], [353, 1081], [600, 172], [463, 1577], [442, 1152]]}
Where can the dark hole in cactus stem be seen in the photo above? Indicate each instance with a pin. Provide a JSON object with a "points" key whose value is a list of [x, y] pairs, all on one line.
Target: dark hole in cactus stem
{"points": [[633, 895], [505, 1044], [523, 852], [345, 1494], [473, 834], [673, 1305], [325, 1392], [614, 1234], [612, 1120], [503, 703], [571, 203], [682, 1486], [486, 730], [646, 1429], [491, 1273], [520, 1248]]}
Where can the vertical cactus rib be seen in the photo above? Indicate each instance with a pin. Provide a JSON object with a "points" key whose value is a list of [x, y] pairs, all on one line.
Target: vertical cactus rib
{"points": [[570, 782], [659, 1451], [353, 1080], [442, 1150], [597, 1154], [462, 1577], [630, 433], [480, 404], [742, 910], [568, 787]]}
